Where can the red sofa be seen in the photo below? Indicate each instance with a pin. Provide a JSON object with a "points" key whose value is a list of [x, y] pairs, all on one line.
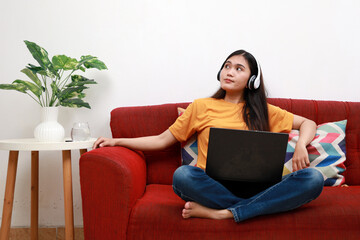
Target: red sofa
{"points": [[128, 194]]}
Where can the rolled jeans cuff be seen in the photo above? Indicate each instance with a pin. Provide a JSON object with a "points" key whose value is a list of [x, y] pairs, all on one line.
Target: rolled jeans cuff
{"points": [[235, 214]]}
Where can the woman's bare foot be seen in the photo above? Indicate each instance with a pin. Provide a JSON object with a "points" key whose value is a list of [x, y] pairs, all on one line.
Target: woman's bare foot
{"points": [[193, 209]]}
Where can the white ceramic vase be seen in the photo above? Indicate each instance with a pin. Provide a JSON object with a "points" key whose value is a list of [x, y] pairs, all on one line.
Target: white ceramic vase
{"points": [[49, 130]]}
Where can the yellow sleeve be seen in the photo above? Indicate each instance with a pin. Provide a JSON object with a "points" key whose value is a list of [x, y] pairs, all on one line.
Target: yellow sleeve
{"points": [[183, 128], [280, 120]]}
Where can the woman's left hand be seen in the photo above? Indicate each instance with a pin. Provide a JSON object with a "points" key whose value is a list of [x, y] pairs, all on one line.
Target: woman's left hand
{"points": [[306, 134], [301, 158]]}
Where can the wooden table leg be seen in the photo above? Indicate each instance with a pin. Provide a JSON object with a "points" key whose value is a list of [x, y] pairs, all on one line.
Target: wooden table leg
{"points": [[82, 151], [68, 195], [34, 195], [9, 195]]}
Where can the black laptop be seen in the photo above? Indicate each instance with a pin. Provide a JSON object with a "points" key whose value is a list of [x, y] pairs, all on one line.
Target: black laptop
{"points": [[246, 162]]}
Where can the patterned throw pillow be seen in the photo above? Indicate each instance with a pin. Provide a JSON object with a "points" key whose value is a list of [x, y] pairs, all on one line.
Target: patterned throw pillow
{"points": [[327, 152], [189, 149]]}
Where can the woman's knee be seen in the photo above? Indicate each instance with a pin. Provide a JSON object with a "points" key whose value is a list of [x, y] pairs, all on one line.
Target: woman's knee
{"points": [[184, 174], [183, 181], [315, 175], [313, 181]]}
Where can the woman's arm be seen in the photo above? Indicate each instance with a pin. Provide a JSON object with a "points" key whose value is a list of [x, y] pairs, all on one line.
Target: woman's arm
{"points": [[307, 130], [150, 143]]}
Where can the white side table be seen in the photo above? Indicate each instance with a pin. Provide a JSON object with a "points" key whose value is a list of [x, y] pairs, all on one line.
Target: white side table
{"points": [[30, 144]]}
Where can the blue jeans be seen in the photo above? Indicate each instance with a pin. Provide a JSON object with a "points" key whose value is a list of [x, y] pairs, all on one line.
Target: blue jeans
{"points": [[296, 189]]}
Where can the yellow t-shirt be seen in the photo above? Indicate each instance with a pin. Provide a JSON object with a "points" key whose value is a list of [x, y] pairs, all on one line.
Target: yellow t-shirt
{"points": [[205, 113]]}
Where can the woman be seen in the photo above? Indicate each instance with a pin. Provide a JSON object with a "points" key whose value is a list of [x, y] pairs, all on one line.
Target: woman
{"points": [[240, 103]]}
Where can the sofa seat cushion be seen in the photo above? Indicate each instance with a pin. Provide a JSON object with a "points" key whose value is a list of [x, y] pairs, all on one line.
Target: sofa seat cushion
{"points": [[157, 215]]}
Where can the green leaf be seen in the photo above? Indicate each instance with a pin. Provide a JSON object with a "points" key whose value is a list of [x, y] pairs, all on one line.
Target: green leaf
{"points": [[55, 92], [96, 63], [30, 86], [41, 56], [70, 92], [92, 62], [78, 80], [15, 87], [86, 58], [32, 76], [75, 102], [7, 87], [64, 62], [39, 70], [34, 69], [54, 88], [81, 95]]}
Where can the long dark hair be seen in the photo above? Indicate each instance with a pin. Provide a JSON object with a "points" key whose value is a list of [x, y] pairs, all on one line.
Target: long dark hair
{"points": [[255, 110]]}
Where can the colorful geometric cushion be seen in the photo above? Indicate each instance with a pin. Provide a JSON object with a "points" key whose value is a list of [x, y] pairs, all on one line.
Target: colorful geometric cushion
{"points": [[327, 152], [189, 149]]}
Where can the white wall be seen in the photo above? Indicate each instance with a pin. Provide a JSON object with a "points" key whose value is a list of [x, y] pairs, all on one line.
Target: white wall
{"points": [[165, 51]]}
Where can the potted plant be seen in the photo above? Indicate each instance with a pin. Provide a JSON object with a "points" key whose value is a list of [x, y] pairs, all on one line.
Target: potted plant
{"points": [[53, 83]]}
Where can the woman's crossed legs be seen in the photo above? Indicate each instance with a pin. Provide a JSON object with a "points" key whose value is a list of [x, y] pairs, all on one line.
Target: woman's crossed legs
{"points": [[207, 198]]}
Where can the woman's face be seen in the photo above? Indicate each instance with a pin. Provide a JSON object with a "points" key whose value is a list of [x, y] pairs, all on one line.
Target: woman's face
{"points": [[235, 75]]}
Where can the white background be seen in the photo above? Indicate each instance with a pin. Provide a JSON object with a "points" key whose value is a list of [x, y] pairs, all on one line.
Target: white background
{"points": [[160, 52]]}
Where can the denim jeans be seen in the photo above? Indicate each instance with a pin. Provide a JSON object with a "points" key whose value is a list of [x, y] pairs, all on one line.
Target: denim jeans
{"points": [[296, 189]]}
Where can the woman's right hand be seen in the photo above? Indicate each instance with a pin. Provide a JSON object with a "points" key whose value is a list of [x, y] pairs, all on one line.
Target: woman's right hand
{"points": [[104, 142]]}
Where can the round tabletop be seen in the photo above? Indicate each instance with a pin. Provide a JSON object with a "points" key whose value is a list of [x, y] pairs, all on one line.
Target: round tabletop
{"points": [[31, 144]]}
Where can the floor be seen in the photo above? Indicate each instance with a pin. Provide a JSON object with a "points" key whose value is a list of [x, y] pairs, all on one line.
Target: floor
{"points": [[45, 233]]}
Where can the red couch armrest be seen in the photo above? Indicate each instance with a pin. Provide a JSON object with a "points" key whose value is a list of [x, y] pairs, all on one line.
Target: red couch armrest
{"points": [[112, 179]]}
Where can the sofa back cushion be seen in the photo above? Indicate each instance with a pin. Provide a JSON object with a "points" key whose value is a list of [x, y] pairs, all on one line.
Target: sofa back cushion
{"points": [[153, 120]]}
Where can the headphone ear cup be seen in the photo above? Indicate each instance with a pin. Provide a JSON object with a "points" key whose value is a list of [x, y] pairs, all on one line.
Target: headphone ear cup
{"points": [[251, 82], [254, 82], [218, 75]]}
